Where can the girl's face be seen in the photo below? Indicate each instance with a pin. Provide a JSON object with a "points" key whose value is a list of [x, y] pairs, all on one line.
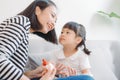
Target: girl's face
{"points": [[47, 18], [68, 37]]}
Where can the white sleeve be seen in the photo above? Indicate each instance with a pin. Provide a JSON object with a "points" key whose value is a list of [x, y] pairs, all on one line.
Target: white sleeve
{"points": [[84, 62]]}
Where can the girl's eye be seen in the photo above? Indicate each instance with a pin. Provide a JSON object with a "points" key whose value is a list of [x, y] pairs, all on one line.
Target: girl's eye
{"points": [[61, 32], [67, 32]]}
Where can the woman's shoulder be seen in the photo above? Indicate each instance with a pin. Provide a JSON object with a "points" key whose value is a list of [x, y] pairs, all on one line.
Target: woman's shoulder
{"points": [[22, 16], [17, 22], [18, 19], [21, 19]]}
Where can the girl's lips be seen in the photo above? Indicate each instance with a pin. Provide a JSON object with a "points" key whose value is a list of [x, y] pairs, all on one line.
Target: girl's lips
{"points": [[62, 39]]}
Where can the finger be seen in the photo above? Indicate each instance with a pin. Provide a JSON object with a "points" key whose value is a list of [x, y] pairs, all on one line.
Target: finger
{"points": [[53, 72], [64, 73], [44, 72], [60, 66], [71, 71], [52, 75], [75, 72]]}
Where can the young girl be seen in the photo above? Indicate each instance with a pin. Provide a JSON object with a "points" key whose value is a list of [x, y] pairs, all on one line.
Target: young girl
{"points": [[74, 52]]}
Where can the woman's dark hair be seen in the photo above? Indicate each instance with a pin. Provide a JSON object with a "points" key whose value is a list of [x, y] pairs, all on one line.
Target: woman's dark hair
{"points": [[79, 30], [35, 25], [49, 36]]}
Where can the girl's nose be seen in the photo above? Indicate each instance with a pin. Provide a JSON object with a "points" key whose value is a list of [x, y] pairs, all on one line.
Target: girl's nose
{"points": [[62, 34]]}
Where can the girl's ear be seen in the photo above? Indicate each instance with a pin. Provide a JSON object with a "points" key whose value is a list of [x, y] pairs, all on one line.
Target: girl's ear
{"points": [[37, 10], [78, 40]]}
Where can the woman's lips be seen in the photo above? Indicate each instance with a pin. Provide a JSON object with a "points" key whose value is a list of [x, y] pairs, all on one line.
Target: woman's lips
{"points": [[50, 26]]}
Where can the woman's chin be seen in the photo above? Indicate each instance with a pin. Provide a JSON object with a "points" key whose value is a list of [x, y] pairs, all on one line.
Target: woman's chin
{"points": [[44, 31]]}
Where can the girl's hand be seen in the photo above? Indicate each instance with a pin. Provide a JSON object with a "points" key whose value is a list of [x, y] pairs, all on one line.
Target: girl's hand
{"points": [[67, 71], [86, 71], [60, 67], [71, 71]]}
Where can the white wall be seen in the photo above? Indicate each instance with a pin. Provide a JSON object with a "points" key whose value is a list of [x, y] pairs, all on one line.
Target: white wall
{"points": [[99, 27], [10, 8]]}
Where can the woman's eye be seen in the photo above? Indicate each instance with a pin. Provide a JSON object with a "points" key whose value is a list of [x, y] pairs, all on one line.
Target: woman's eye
{"points": [[53, 15]]}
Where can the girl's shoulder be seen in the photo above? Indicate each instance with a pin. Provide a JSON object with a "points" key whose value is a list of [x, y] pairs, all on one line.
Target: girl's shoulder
{"points": [[81, 53]]}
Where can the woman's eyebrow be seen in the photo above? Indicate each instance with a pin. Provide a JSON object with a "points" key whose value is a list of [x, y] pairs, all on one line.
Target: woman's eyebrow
{"points": [[54, 13]]}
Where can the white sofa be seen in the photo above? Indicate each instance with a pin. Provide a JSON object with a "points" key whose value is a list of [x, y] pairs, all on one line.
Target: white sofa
{"points": [[105, 57]]}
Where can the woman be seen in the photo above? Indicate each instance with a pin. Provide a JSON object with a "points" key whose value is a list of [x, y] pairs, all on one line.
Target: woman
{"points": [[39, 16]]}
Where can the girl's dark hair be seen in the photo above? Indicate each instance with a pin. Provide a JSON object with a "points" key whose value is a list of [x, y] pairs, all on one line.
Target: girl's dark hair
{"points": [[35, 25], [79, 30]]}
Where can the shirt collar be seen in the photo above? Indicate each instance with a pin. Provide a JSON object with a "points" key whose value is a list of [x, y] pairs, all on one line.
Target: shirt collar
{"points": [[61, 55], [73, 57]]}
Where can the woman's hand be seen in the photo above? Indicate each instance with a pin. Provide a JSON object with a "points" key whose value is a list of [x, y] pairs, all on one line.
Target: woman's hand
{"points": [[24, 78], [49, 73], [38, 72]]}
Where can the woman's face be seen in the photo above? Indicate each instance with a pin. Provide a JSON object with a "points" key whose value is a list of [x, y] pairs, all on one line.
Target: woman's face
{"points": [[47, 18]]}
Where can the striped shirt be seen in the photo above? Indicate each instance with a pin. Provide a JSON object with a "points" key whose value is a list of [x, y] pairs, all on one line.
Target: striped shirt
{"points": [[13, 47]]}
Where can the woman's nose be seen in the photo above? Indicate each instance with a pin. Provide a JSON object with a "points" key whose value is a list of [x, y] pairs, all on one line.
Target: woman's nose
{"points": [[54, 22], [51, 26]]}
